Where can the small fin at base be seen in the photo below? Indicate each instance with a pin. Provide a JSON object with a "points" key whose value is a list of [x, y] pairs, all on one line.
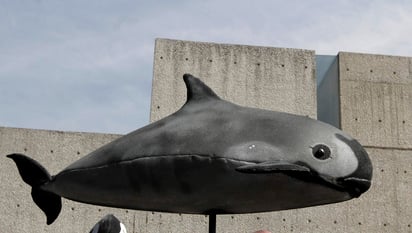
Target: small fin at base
{"points": [[272, 167]]}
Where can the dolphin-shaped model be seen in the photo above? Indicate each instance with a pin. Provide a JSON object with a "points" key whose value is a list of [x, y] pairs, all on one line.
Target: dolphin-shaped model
{"points": [[211, 157]]}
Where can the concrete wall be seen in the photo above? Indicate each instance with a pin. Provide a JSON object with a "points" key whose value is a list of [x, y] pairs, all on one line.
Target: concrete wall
{"points": [[270, 78], [376, 108], [375, 95], [376, 99]]}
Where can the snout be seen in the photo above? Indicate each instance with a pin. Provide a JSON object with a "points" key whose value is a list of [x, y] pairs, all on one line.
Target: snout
{"points": [[355, 186], [360, 180]]}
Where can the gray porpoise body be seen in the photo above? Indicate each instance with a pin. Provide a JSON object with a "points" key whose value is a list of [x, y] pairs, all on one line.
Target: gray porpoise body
{"points": [[213, 156]]}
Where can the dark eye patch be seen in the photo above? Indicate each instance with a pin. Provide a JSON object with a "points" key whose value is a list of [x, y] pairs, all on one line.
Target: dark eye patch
{"points": [[321, 152]]}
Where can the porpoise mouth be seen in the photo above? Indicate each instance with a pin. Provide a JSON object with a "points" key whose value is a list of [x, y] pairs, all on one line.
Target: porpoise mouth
{"points": [[355, 186]]}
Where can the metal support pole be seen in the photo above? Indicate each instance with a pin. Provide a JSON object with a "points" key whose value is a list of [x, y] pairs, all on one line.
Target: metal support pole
{"points": [[212, 223]]}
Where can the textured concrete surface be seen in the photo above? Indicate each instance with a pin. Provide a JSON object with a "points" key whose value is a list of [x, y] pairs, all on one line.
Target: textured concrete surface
{"points": [[376, 108], [376, 99], [270, 78]]}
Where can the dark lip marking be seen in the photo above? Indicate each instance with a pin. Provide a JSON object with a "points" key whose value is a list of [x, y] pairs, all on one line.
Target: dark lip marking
{"points": [[356, 186], [357, 180], [315, 178]]}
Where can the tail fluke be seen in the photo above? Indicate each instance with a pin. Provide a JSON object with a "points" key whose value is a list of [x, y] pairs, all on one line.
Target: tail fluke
{"points": [[36, 175]]}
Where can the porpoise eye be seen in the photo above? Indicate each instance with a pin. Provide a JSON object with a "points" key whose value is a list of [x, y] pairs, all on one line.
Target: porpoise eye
{"points": [[321, 152]]}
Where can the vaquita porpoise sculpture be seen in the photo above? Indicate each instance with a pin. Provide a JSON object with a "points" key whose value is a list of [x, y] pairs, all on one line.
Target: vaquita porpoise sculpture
{"points": [[211, 157]]}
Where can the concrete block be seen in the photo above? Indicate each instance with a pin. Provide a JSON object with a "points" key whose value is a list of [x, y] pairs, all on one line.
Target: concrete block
{"points": [[376, 108], [404, 190], [376, 99], [264, 77]]}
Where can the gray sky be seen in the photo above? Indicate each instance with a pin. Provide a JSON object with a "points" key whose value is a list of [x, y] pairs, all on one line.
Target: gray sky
{"points": [[87, 65]]}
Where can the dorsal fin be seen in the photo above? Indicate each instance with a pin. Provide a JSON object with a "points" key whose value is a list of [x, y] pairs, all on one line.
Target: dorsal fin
{"points": [[197, 90]]}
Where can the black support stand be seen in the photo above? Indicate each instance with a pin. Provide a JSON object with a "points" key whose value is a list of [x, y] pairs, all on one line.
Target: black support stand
{"points": [[212, 223]]}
